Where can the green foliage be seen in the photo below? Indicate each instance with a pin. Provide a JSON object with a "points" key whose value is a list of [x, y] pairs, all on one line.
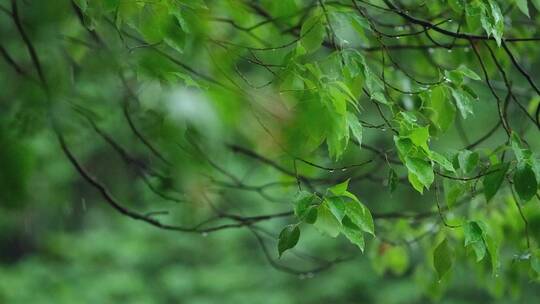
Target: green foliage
{"points": [[443, 258], [390, 123], [494, 179], [491, 18], [525, 182], [288, 238], [525, 179], [304, 209], [474, 237], [312, 32], [523, 6], [339, 212]]}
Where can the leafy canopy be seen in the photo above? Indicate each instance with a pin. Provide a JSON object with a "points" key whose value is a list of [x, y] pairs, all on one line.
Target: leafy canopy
{"points": [[390, 123]]}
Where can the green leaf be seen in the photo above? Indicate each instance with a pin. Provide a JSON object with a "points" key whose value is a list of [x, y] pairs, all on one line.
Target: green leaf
{"points": [[356, 127], [523, 155], [517, 147], [404, 145], [288, 238], [479, 250], [469, 91], [443, 258], [523, 6], [442, 161], [474, 11], [535, 261], [153, 22], [338, 137], [187, 79], [474, 236], [312, 33], [311, 214], [353, 233], [464, 101], [473, 232], [340, 188], [453, 189], [536, 4], [339, 99], [420, 137], [493, 250], [82, 4], [493, 180], [455, 77], [336, 205], [302, 204], [492, 19], [468, 72], [525, 182], [442, 110], [346, 26], [379, 96], [468, 160], [421, 169], [415, 182], [360, 216], [281, 8], [456, 5], [326, 222]]}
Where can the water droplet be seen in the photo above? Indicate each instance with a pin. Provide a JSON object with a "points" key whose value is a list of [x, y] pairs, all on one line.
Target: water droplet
{"points": [[397, 37], [467, 50], [450, 20], [344, 169], [383, 129], [431, 50], [301, 276], [310, 275], [449, 50], [331, 170], [204, 234], [345, 41]]}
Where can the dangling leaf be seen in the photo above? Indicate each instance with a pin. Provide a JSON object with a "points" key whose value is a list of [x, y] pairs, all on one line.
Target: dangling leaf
{"points": [[493, 180], [443, 258], [353, 233], [525, 182], [312, 33], [288, 238]]}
